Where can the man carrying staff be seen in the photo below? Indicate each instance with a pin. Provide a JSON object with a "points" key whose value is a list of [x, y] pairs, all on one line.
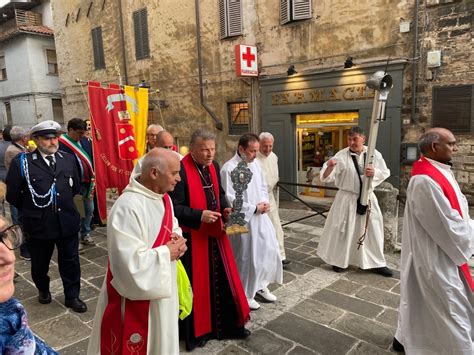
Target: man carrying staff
{"points": [[344, 228], [436, 305], [220, 309], [137, 311]]}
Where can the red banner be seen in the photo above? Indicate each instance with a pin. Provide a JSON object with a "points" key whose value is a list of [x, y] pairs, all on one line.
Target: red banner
{"points": [[113, 141]]}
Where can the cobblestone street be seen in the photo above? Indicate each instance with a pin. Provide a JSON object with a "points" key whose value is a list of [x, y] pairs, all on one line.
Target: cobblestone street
{"points": [[318, 310]]}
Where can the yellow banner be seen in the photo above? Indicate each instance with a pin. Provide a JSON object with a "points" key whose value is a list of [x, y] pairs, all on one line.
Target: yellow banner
{"points": [[138, 115]]}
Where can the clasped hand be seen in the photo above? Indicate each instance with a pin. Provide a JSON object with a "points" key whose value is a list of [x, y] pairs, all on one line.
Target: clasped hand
{"points": [[177, 246]]}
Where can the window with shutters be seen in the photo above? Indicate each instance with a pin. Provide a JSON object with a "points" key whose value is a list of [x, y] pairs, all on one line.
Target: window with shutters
{"points": [[8, 112], [3, 67], [453, 108], [294, 10], [230, 18], [140, 27], [98, 48], [238, 117], [52, 61]]}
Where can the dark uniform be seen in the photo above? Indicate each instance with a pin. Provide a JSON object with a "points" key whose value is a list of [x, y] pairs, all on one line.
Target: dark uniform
{"points": [[57, 224]]}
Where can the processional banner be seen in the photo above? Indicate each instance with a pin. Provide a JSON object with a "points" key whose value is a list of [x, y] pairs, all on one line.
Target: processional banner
{"points": [[138, 115], [113, 139]]}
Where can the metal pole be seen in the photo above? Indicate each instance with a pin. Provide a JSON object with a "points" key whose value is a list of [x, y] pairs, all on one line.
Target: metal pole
{"points": [[381, 83]]}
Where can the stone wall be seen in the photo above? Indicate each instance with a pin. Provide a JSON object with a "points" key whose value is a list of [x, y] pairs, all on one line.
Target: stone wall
{"points": [[444, 25], [366, 30]]}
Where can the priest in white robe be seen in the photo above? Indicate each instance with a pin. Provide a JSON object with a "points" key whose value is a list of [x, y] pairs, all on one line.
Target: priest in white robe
{"points": [[269, 162], [144, 241], [256, 253], [436, 306], [344, 227]]}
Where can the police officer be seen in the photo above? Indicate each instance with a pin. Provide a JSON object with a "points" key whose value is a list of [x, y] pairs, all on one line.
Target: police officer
{"points": [[42, 185]]}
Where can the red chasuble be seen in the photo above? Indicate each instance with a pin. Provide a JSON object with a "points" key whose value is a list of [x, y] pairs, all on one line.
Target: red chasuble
{"points": [[424, 167], [200, 255], [127, 334]]}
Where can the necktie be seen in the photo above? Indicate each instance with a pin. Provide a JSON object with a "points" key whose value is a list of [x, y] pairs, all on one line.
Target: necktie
{"points": [[52, 163]]}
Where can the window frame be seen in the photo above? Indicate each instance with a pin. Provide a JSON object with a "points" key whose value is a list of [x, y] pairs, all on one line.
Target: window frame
{"points": [[3, 71], [230, 18], [48, 72], [141, 33], [237, 129], [98, 48], [441, 111]]}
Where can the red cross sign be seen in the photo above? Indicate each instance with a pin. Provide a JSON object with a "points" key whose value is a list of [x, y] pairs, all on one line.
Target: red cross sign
{"points": [[246, 60]]}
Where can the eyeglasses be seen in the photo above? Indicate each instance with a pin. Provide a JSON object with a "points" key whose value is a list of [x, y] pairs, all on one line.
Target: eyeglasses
{"points": [[12, 237]]}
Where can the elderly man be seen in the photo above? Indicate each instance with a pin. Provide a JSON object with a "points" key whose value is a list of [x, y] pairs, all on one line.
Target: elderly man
{"points": [[74, 142], [42, 185], [436, 305], [151, 134], [345, 226], [257, 252], [220, 308], [19, 142], [138, 306], [269, 162], [164, 139]]}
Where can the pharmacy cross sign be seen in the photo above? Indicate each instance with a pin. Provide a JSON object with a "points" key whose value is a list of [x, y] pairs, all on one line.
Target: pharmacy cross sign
{"points": [[246, 60]]}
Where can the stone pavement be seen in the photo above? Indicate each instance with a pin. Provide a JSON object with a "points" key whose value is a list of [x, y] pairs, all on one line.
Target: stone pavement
{"points": [[318, 310]]}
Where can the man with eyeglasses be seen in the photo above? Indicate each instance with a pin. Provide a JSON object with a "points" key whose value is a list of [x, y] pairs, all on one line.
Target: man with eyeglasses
{"points": [[151, 134], [42, 185], [220, 309]]}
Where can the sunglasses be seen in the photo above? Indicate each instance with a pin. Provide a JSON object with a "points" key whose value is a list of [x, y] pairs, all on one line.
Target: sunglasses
{"points": [[12, 237]]}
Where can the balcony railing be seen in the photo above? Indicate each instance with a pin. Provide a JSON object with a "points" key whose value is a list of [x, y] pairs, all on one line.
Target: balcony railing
{"points": [[22, 18]]}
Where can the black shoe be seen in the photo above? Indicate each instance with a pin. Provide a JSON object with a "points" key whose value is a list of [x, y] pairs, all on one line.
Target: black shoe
{"points": [[76, 304], [44, 297], [397, 346], [338, 269], [286, 262], [242, 333], [384, 271]]}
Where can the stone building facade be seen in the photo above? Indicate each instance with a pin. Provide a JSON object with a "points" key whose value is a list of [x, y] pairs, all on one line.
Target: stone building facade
{"points": [[191, 61]]}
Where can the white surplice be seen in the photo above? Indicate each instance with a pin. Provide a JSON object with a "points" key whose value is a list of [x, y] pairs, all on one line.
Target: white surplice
{"points": [[139, 271], [270, 172], [344, 227], [436, 306], [256, 253]]}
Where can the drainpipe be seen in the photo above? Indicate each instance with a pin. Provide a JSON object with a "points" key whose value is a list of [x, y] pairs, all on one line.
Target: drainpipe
{"points": [[414, 116], [122, 39], [217, 121]]}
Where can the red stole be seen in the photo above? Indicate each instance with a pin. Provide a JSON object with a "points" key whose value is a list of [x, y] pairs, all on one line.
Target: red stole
{"points": [[128, 334], [424, 167], [200, 255]]}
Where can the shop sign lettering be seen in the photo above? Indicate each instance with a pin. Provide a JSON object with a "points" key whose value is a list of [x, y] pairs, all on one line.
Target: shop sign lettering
{"points": [[339, 93]]}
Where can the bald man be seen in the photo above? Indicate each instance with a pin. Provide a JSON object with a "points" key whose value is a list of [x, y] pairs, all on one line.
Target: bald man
{"points": [[144, 241], [436, 306]]}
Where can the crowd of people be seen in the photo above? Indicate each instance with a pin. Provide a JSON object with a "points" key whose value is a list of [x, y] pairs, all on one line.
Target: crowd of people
{"points": [[171, 219]]}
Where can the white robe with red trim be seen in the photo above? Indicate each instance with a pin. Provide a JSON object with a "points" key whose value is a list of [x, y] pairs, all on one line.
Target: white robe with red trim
{"points": [[139, 271], [436, 305]]}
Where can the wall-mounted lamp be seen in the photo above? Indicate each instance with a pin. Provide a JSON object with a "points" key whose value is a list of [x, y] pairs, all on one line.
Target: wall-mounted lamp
{"points": [[291, 70], [348, 63]]}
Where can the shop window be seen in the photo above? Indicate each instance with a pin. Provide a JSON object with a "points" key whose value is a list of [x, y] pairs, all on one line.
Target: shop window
{"points": [[294, 10], [98, 48], [453, 108], [238, 117], [3, 67], [230, 18], [140, 27], [52, 61]]}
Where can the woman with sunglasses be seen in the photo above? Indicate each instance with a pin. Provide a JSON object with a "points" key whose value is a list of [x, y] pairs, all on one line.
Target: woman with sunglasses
{"points": [[15, 335]]}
